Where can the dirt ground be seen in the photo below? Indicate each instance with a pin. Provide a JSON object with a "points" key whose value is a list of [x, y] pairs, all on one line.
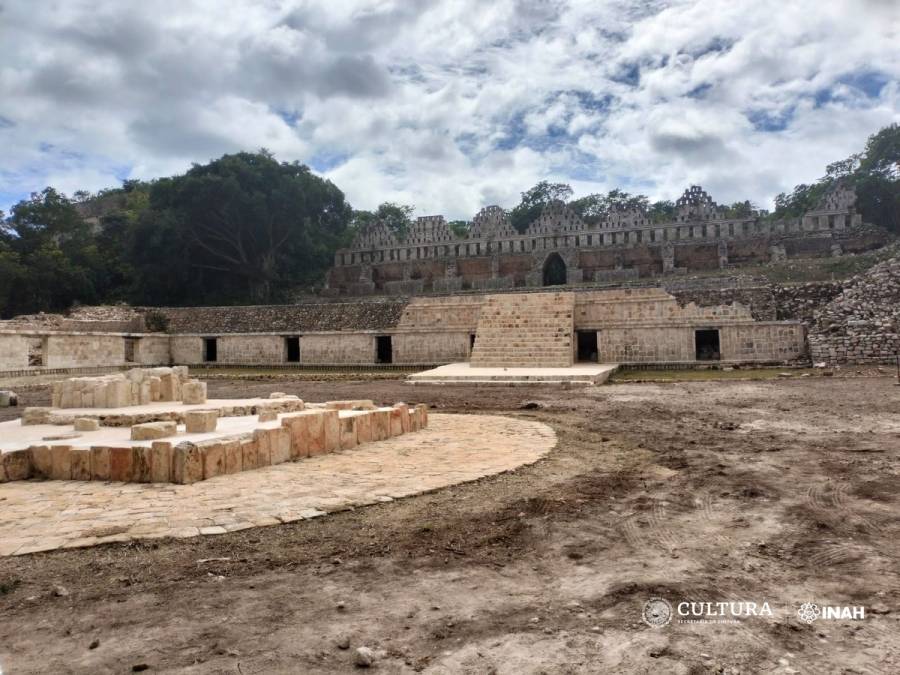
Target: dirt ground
{"points": [[781, 491]]}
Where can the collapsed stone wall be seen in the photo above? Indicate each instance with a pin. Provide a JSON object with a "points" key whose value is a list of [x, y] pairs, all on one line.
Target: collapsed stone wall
{"points": [[760, 299], [802, 301], [322, 317], [862, 323]]}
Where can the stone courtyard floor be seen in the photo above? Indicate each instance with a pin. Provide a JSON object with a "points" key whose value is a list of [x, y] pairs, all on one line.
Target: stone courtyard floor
{"points": [[46, 515]]}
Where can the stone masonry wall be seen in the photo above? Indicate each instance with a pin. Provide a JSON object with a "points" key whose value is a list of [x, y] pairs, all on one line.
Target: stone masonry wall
{"points": [[862, 323], [344, 316]]}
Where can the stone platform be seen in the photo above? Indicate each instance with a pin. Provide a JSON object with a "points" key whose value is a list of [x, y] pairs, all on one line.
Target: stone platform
{"points": [[46, 515], [464, 373]]}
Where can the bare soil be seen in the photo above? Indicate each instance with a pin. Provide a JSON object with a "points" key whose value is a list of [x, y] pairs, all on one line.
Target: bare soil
{"points": [[781, 491]]}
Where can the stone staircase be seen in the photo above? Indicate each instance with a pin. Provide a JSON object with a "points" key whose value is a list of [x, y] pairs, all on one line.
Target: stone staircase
{"points": [[525, 330]]}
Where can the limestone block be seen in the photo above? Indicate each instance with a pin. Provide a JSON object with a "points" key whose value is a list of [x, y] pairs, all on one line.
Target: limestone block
{"points": [[263, 447], [2, 472], [397, 420], [17, 464], [149, 431], [423, 415], [99, 463], [87, 398], [233, 459], [80, 461], [381, 424], [360, 404], [101, 397], [315, 427], [141, 464], [193, 392], [41, 461], [155, 389], [213, 459], [161, 462], [414, 419], [267, 415], [121, 463], [144, 392], [167, 389], [277, 394], [187, 463], [364, 428], [60, 462], [348, 433], [35, 415], [56, 394], [295, 423], [280, 445], [118, 394], [249, 454], [332, 428], [404, 416], [86, 424], [201, 421]]}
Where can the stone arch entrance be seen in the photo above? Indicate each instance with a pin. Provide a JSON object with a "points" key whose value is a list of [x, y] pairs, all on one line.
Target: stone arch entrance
{"points": [[554, 270]]}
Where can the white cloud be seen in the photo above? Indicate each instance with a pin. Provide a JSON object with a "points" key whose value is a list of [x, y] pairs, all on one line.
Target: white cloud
{"points": [[449, 105]]}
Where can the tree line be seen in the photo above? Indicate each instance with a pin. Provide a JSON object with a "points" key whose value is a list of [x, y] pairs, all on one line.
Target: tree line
{"points": [[246, 228]]}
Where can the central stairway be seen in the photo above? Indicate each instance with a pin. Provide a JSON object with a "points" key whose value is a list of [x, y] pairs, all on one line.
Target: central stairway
{"points": [[525, 330]]}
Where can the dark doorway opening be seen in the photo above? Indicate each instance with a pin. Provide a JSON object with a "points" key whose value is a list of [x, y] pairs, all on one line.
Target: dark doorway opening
{"points": [[587, 346], [554, 270], [707, 344], [384, 351], [471, 342], [292, 349], [210, 350], [130, 350]]}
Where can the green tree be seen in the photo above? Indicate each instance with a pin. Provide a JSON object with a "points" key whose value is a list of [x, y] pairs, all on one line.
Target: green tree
{"points": [[398, 218], [534, 200], [243, 227], [459, 228]]}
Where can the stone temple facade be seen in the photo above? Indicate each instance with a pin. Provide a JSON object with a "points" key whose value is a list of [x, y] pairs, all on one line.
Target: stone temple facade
{"points": [[560, 248]]}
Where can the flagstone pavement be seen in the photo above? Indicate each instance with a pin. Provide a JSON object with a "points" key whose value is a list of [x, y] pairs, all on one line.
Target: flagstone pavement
{"points": [[46, 515]]}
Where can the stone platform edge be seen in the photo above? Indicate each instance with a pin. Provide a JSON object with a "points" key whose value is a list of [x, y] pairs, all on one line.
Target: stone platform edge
{"points": [[302, 434]]}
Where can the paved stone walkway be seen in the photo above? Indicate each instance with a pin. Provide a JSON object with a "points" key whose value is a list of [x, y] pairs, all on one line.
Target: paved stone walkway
{"points": [[46, 515]]}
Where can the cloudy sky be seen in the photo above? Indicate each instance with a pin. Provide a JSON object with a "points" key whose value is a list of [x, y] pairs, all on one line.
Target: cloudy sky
{"points": [[449, 105]]}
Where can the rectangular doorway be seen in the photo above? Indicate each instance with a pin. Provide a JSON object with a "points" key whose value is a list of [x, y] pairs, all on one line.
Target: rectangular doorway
{"points": [[210, 350], [292, 349], [384, 350], [707, 344], [587, 346], [131, 350]]}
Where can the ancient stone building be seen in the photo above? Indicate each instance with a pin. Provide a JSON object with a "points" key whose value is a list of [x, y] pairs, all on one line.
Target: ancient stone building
{"points": [[559, 248]]}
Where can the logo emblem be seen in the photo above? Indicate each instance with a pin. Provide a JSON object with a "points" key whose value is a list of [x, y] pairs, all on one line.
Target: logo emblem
{"points": [[809, 612], [657, 612]]}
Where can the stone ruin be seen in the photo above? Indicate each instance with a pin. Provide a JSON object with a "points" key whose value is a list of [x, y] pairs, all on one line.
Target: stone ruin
{"points": [[138, 386], [154, 438]]}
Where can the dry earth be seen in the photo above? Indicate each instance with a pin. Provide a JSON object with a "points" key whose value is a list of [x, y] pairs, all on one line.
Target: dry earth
{"points": [[783, 491]]}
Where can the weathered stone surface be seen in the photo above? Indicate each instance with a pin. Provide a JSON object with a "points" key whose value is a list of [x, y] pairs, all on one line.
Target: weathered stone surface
{"points": [[233, 458], [397, 420], [152, 430], [86, 424], [267, 415], [363, 427], [41, 461], [422, 409], [213, 458], [80, 461], [121, 461], [332, 430], [296, 424], [360, 404], [161, 462], [249, 454], [381, 424], [187, 463], [280, 445], [8, 398], [263, 447], [193, 392], [200, 421], [61, 463], [315, 421], [99, 463], [348, 433], [17, 464], [142, 464]]}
